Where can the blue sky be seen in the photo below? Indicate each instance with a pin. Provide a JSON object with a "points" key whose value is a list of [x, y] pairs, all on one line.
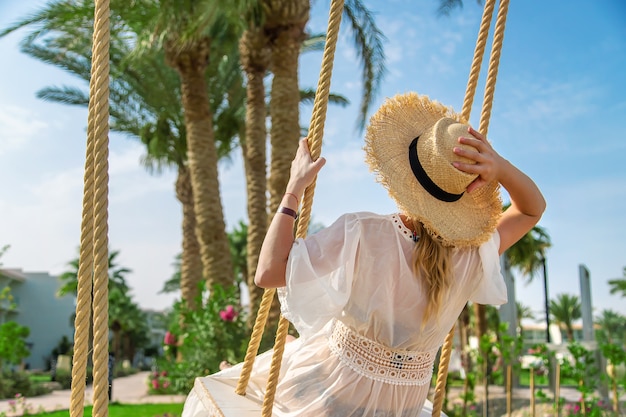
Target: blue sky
{"points": [[558, 114]]}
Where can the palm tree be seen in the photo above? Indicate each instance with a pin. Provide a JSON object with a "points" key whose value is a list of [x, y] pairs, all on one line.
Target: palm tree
{"points": [[612, 327], [618, 285], [128, 323], [117, 276], [145, 99], [523, 312], [527, 254], [566, 309], [284, 23], [255, 59], [118, 294], [238, 240], [190, 33]]}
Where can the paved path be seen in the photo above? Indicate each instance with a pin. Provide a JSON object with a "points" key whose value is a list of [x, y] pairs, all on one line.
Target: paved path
{"points": [[131, 389]]}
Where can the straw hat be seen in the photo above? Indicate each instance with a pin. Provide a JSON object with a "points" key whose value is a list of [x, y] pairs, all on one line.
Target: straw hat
{"points": [[409, 144]]}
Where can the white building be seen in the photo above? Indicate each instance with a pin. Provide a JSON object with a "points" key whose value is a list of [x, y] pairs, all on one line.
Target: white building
{"points": [[36, 306]]}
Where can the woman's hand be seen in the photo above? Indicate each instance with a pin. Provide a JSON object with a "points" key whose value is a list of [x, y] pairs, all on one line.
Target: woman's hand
{"points": [[527, 202], [272, 263], [488, 163], [303, 169]]}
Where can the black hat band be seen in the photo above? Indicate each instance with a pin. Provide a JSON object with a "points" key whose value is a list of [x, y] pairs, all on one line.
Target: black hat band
{"points": [[425, 181]]}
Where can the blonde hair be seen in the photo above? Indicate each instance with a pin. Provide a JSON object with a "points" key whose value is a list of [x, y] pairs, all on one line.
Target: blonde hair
{"points": [[431, 261]]}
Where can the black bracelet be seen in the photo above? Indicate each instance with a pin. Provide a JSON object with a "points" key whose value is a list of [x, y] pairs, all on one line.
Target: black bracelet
{"points": [[288, 211]]}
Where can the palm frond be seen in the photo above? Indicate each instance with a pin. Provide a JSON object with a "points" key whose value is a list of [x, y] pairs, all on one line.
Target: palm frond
{"points": [[307, 96], [368, 40], [314, 42]]}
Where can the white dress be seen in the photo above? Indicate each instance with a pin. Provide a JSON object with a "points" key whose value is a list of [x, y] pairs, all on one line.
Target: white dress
{"points": [[363, 349]]}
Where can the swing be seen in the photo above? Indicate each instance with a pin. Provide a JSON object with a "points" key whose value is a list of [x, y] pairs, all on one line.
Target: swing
{"points": [[218, 399]]}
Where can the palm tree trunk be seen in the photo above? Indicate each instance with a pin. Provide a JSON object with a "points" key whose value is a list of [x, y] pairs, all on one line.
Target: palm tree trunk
{"points": [[202, 155], [287, 20], [191, 262], [285, 101], [255, 57]]}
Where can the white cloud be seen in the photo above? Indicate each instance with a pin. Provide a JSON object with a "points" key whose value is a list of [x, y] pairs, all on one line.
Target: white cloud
{"points": [[18, 126], [538, 101]]}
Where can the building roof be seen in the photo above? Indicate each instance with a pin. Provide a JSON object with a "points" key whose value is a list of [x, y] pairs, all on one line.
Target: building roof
{"points": [[15, 274]]}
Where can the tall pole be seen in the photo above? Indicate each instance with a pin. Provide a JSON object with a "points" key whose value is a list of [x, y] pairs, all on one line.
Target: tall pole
{"points": [[546, 299], [585, 303]]}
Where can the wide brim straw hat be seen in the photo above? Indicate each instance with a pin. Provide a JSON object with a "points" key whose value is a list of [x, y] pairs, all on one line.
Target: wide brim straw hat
{"points": [[408, 145]]}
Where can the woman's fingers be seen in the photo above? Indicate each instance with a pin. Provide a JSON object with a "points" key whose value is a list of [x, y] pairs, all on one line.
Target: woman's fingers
{"points": [[476, 134]]}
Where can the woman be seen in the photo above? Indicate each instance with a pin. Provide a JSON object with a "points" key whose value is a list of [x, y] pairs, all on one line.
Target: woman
{"points": [[373, 296]]}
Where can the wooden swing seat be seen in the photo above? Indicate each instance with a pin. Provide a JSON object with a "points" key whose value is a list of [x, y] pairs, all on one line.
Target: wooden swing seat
{"points": [[221, 400]]}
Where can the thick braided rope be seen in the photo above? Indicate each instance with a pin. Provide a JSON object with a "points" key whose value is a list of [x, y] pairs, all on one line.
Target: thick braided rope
{"points": [[277, 355], [316, 130], [100, 95], [94, 258], [483, 33], [255, 340], [477, 62], [318, 117], [442, 373], [82, 320], [494, 61]]}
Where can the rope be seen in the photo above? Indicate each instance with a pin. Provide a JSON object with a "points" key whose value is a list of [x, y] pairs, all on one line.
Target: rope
{"points": [[93, 257], [277, 356], [477, 62], [255, 340], [315, 143], [318, 118], [446, 349], [82, 322], [442, 373], [494, 61]]}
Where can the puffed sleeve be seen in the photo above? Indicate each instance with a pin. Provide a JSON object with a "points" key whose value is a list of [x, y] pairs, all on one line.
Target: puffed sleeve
{"points": [[320, 270], [491, 288]]}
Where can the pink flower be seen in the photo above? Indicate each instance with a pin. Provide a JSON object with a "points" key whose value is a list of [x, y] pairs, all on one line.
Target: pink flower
{"points": [[12, 403], [155, 383], [229, 314], [170, 339], [163, 373], [166, 384]]}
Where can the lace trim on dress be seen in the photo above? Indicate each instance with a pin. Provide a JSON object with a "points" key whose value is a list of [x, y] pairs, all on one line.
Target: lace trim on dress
{"points": [[397, 221], [378, 362]]}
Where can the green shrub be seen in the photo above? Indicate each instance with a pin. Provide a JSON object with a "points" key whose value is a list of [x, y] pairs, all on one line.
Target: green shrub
{"points": [[202, 339], [13, 383]]}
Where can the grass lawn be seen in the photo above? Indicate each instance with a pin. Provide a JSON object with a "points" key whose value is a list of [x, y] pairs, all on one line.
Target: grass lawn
{"points": [[128, 410], [39, 378]]}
